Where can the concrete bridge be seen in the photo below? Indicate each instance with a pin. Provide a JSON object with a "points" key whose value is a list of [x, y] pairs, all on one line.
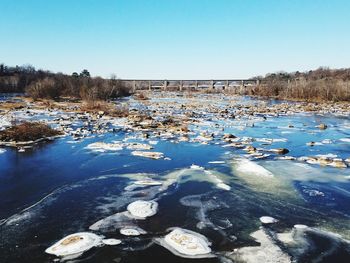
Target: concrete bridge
{"points": [[180, 85]]}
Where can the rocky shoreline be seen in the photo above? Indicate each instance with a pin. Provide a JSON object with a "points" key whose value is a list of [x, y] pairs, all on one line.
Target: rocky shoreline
{"points": [[178, 117]]}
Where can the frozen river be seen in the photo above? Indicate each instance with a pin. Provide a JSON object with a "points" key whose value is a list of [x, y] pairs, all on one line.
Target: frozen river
{"points": [[206, 181]]}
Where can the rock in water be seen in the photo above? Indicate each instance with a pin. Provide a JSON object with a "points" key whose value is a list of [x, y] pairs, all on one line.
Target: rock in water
{"points": [[280, 151], [74, 244], [142, 209], [186, 243], [322, 126]]}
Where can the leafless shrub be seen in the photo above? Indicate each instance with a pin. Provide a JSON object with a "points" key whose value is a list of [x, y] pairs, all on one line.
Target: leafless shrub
{"points": [[322, 84], [44, 88], [106, 107], [28, 131]]}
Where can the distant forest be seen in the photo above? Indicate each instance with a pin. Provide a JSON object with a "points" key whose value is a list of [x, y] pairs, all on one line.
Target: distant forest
{"points": [[45, 84], [322, 84]]}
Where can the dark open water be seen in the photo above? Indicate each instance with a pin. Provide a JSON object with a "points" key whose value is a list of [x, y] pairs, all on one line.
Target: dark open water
{"points": [[59, 188]]}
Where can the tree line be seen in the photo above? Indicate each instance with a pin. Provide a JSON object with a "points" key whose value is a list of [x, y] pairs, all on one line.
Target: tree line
{"points": [[322, 84], [45, 84]]}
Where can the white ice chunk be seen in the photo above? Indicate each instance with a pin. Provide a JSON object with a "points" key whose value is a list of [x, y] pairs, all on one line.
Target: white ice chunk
{"points": [[139, 146], [152, 155], [103, 147], [74, 244], [267, 252], [111, 241], [216, 162], [223, 186], [147, 182], [142, 209], [247, 166], [132, 231], [186, 243], [268, 220], [196, 167]]}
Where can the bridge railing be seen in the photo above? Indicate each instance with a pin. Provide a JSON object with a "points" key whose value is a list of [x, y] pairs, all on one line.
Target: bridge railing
{"points": [[188, 84]]}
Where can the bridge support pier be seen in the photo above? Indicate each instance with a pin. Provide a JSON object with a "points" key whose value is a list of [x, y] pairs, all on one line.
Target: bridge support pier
{"points": [[226, 85], [211, 84], [165, 86], [181, 85], [149, 85], [134, 86]]}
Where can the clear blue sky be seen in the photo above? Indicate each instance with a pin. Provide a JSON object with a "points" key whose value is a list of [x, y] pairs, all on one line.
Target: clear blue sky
{"points": [[175, 38]]}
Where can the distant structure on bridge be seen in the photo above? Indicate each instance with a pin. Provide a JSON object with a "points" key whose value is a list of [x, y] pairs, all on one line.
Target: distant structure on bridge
{"points": [[180, 85]]}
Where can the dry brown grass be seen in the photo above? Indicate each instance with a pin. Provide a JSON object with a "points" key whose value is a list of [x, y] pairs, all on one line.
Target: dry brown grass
{"points": [[141, 96], [107, 108], [8, 105], [28, 131]]}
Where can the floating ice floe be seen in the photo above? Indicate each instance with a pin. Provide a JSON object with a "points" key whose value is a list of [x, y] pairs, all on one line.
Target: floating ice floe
{"points": [[268, 220], [271, 140], [186, 243], [138, 146], [152, 155], [112, 222], [216, 162], [219, 183], [247, 166], [21, 150], [142, 209], [132, 231], [2, 151], [328, 155], [111, 241], [267, 252], [103, 147], [75, 244], [344, 139], [290, 158], [313, 192], [147, 182], [223, 186], [196, 167]]}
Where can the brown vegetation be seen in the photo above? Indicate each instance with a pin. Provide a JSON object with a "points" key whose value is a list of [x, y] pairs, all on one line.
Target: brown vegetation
{"points": [[28, 131], [322, 84], [105, 108], [141, 96], [44, 84], [10, 105]]}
